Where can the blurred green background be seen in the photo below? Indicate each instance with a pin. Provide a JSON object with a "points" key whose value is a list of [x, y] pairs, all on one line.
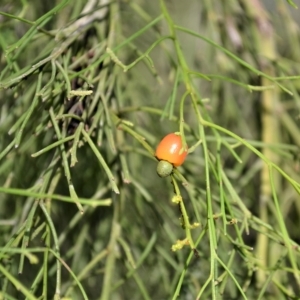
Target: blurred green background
{"points": [[87, 91]]}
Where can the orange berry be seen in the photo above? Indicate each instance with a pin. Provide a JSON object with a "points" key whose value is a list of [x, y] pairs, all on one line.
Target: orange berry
{"points": [[169, 149]]}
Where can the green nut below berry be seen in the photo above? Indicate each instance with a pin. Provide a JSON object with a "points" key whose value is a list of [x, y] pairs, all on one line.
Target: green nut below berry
{"points": [[164, 168]]}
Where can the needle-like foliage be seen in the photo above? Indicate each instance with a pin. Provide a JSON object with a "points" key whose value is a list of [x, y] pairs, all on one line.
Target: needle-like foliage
{"points": [[88, 89]]}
